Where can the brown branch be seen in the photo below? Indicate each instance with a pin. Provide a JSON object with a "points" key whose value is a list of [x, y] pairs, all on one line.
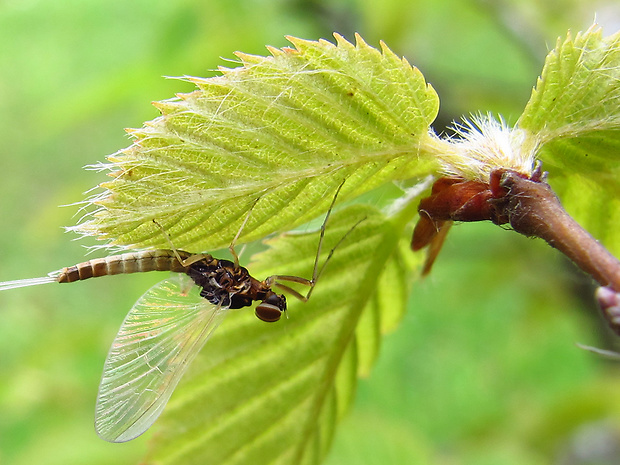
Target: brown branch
{"points": [[534, 210], [530, 206]]}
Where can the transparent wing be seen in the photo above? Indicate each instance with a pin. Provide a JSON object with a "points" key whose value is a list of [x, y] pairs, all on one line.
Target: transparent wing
{"points": [[159, 338]]}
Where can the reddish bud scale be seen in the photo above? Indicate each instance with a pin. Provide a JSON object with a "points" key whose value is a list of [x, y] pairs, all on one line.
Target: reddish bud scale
{"points": [[456, 199]]}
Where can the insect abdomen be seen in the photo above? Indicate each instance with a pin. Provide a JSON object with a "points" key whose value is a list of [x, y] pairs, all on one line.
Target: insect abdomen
{"points": [[133, 262]]}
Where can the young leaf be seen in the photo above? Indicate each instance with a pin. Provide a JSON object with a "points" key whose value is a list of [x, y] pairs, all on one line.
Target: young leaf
{"points": [[579, 89], [574, 115], [272, 393], [278, 134]]}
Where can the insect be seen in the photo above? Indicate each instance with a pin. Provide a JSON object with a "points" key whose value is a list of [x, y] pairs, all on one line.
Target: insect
{"points": [[170, 323]]}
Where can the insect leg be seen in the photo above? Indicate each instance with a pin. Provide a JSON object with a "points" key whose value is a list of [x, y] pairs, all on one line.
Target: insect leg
{"points": [[231, 247], [187, 261], [274, 280], [316, 272]]}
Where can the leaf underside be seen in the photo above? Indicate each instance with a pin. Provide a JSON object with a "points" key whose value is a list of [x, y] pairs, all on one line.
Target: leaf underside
{"points": [[277, 135], [272, 393]]}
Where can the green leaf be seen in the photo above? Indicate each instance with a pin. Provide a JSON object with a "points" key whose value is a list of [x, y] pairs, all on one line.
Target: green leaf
{"points": [[574, 114], [280, 133], [574, 111], [272, 393]]}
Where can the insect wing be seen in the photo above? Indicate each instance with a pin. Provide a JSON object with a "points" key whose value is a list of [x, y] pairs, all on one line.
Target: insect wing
{"points": [[159, 338]]}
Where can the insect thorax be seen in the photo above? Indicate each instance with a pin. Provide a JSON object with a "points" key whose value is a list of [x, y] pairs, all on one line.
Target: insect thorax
{"points": [[222, 283]]}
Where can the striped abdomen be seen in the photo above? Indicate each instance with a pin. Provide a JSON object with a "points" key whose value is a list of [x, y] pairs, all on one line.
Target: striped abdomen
{"points": [[133, 262]]}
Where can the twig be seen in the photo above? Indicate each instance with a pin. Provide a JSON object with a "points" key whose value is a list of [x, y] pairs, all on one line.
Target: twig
{"points": [[533, 209]]}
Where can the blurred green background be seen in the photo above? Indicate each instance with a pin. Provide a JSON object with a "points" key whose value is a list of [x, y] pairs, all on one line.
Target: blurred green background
{"points": [[482, 371]]}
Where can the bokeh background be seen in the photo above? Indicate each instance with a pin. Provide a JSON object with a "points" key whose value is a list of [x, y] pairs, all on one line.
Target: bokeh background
{"points": [[483, 370]]}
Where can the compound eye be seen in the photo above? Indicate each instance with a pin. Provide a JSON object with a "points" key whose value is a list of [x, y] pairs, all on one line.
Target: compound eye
{"points": [[271, 309]]}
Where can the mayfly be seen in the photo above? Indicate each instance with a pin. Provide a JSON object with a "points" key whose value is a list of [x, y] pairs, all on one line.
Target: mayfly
{"points": [[169, 324]]}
